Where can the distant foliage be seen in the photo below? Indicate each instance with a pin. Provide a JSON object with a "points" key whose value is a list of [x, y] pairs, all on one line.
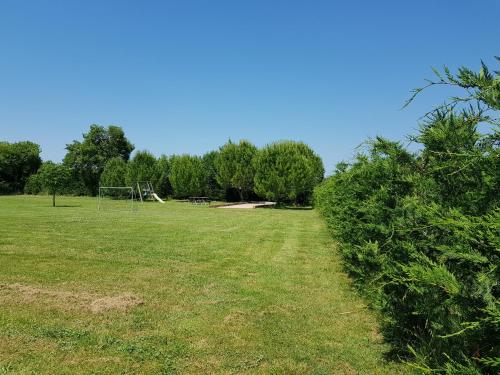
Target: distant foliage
{"points": [[420, 232], [187, 176], [18, 161], [234, 167], [114, 173], [33, 185], [142, 167], [87, 159], [102, 159], [213, 188], [162, 184], [287, 172]]}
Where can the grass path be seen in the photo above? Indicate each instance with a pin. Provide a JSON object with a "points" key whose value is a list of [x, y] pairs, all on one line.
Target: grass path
{"points": [[176, 288]]}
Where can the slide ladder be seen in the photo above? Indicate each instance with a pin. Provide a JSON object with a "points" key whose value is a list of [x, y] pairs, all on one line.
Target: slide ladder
{"points": [[145, 191]]}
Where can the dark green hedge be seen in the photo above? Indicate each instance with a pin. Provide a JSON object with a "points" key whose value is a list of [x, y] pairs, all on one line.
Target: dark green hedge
{"points": [[420, 234]]}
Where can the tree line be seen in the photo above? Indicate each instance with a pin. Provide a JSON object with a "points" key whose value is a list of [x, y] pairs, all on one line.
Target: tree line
{"points": [[419, 231], [285, 171]]}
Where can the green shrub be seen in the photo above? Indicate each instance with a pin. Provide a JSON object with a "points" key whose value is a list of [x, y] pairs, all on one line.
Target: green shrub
{"points": [[33, 185], [420, 234]]}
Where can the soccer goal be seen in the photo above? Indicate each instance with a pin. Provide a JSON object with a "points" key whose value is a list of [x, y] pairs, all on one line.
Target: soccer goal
{"points": [[116, 198]]}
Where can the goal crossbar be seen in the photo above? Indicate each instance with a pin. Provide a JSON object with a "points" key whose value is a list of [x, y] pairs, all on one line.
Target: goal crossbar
{"points": [[130, 195]]}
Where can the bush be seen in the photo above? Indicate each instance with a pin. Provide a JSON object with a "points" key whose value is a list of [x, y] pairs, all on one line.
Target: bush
{"points": [[33, 185], [419, 233], [287, 172]]}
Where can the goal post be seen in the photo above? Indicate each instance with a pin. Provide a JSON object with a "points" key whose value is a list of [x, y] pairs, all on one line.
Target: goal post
{"points": [[116, 198]]}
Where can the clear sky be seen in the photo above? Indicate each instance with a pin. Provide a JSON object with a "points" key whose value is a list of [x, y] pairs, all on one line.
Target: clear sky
{"points": [[184, 76]]}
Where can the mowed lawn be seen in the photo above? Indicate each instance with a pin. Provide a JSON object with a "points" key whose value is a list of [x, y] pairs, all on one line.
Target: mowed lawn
{"points": [[177, 288]]}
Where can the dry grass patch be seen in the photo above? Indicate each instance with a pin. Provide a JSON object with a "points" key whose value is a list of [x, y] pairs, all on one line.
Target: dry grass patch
{"points": [[69, 300]]}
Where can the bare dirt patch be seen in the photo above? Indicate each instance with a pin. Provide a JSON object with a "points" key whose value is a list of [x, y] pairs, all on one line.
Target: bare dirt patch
{"points": [[69, 300]]}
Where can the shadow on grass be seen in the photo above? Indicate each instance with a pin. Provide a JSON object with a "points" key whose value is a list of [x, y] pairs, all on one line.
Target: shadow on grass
{"points": [[67, 205], [298, 208]]}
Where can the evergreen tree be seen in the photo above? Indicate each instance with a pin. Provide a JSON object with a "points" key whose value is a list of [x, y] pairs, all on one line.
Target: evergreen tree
{"points": [[287, 171], [234, 167], [187, 176]]}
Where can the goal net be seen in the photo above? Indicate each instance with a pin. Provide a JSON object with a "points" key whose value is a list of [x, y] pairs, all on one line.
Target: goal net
{"points": [[116, 198]]}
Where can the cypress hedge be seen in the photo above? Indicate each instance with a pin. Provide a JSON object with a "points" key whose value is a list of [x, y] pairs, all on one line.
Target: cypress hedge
{"points": [[420, 234]]}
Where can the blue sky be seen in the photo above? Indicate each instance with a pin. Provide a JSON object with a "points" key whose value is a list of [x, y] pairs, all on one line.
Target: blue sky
{"points": [[185, 76]]}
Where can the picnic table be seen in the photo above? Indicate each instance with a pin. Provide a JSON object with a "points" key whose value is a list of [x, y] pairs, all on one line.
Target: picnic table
{"points": [[199, 200]]}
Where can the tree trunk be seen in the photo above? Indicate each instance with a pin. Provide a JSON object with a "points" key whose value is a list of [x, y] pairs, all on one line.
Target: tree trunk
{"points": [[53, 199], [241, 194]]}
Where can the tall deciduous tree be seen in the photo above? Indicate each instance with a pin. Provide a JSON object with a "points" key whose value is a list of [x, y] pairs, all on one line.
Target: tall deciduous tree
{"points": [[88, 158], [54, 178], [287, 171], [234, 167]]}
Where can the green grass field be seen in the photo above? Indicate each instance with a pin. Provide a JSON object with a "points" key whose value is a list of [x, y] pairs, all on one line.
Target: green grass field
{"points": [[177, 288]]}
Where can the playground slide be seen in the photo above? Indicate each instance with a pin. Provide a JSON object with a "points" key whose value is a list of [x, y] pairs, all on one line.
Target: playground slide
{"points": [[157, 198]]}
